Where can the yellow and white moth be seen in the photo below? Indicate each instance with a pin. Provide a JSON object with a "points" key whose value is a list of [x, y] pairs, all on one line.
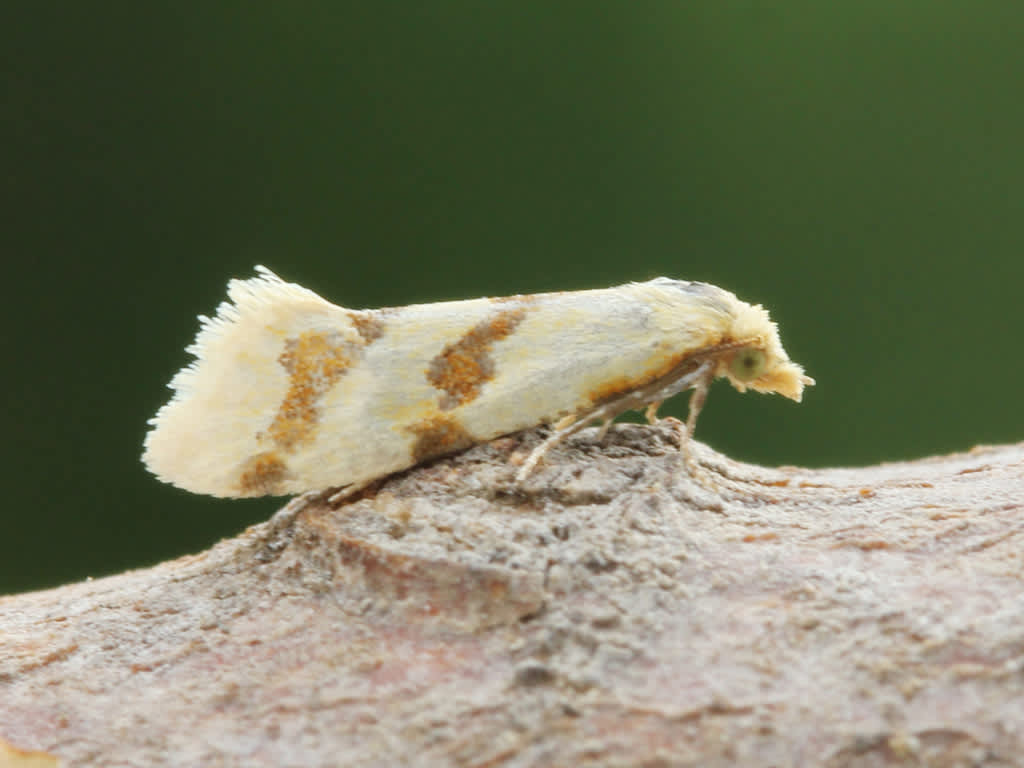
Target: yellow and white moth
{"points": [[289, 393]]}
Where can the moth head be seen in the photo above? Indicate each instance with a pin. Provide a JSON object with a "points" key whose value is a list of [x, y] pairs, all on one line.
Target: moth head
{"points": [[758, 369], [757, 360]]}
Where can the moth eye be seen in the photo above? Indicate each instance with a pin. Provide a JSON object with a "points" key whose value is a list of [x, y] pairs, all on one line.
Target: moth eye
{"points": [[747, 364]]}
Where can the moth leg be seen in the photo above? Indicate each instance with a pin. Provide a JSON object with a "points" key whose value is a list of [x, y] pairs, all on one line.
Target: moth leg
{"points": [[603, 431], [652, 411], [338, 496], [564, 429], [697, 400], [698, 379]]}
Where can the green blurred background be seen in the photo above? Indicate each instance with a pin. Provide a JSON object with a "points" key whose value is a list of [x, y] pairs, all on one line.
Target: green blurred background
{"points": [[858, 168]]}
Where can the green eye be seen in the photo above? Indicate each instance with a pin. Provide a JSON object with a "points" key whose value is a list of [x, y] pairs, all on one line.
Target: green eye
{"points": [[747, 364]]}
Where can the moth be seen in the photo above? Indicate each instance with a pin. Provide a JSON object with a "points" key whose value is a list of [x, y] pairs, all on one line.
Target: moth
{"points": [[289, 393]]}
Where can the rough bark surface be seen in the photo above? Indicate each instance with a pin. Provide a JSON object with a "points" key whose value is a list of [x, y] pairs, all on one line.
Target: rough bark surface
{"points": [[611, 611]]}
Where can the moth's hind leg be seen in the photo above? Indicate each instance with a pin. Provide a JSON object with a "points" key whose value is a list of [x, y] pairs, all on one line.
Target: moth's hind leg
{"points": [[602, 433], [698, 378], [563, 429], [651, 414], [335, 496]]}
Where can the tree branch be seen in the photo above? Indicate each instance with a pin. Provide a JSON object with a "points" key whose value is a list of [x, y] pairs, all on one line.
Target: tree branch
{"points": [[611, 610]]}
